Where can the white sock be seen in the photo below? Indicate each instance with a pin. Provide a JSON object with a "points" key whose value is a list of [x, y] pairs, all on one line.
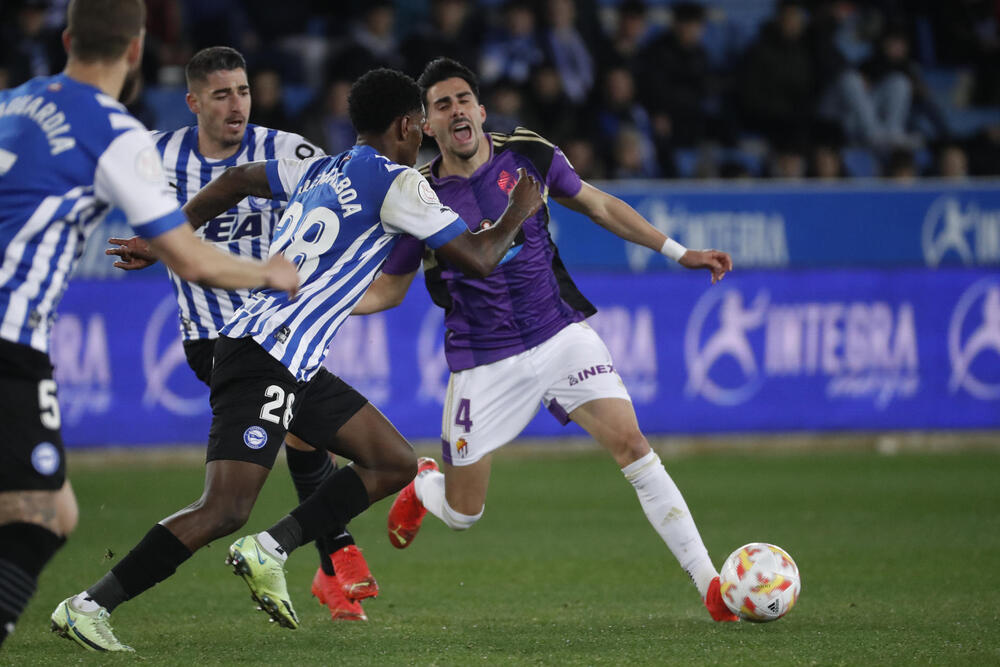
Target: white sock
{"points": [[430, 490], [666, 510], [272, 547], [84, 602]]}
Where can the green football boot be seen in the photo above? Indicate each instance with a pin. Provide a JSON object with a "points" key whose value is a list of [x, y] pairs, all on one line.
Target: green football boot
{"points": [[89, 629], [265, 577]]}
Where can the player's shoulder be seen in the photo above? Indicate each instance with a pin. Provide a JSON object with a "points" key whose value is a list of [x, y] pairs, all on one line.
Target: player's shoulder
{"points": [[288, 144], [526, 143]]}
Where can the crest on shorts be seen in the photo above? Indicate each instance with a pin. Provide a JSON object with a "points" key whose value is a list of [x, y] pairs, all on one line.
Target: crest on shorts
{"points": [[45, 458], [255, 437], [572, 380], [462, 447]]}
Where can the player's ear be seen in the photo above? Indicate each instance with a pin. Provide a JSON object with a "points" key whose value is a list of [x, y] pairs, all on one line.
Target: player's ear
{"points": [[135, 45], [192, 102], [482, 114], [67, 38]]}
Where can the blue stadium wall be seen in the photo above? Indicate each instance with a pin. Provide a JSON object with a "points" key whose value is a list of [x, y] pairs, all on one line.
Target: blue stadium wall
{"points": [[853, 307]]}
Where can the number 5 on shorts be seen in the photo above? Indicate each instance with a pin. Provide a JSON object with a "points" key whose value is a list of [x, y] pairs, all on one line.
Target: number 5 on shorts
{"points": [[277, 396]]}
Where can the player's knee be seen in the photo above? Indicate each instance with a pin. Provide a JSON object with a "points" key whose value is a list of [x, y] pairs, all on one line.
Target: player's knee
{"points": [[458, 521], [628, 446], [68, 512], [400, 467], [226, 517]]}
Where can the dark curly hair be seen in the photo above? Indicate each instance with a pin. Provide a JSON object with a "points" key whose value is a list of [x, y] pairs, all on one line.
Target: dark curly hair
{"points": [[380, 97], [445, 68]]}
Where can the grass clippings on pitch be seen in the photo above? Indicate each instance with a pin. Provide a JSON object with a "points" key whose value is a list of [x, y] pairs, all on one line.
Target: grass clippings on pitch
{"points": [[897, 555]]}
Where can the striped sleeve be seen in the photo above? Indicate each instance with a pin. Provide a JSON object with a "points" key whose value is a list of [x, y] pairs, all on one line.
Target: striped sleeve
{"points": [[130, 176], [412, 207], [284, 175]]}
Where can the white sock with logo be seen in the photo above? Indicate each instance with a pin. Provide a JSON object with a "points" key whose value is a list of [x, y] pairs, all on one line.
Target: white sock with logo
{"points": [[666, 510], [272, 547], [429, 486]]}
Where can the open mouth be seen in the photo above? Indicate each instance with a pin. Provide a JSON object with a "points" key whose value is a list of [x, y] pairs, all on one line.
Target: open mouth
{"points": [[235, 123], [462, 131]]}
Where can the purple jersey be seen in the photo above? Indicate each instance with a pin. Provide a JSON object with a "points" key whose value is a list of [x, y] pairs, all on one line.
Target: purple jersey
{"points": [[528, 298]]}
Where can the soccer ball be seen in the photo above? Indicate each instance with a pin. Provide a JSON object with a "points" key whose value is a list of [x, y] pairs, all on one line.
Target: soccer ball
{"points": [[760, 582]]}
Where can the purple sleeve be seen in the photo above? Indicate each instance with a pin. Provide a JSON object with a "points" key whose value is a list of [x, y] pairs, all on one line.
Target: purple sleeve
{"points": [[563, 181], [405, 256]]}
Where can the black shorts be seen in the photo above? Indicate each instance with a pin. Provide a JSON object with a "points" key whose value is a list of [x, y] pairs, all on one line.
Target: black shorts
{"points": [[255, 400], [32, 457], [199, 355]]}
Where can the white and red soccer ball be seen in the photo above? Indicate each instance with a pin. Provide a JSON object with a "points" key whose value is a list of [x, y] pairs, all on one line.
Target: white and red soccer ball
{"points": [[760, 582]]}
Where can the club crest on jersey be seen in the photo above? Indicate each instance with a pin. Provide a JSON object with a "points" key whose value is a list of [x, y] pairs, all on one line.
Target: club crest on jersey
{"points": [[255, 437], [506, 181], [462, 447]]}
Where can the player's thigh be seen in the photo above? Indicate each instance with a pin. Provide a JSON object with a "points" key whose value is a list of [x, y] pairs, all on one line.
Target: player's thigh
{"points": [[488, 406], [578, 369], [322, 409], [613, 424], [252, 399]]}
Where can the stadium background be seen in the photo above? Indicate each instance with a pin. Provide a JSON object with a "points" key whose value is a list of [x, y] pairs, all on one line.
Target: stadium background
{"points": [[866, 295]]}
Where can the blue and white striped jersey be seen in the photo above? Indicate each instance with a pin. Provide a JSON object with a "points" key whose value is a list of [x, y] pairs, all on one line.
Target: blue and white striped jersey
{"points": [[244, 230], [68, 154], [344, 215]]}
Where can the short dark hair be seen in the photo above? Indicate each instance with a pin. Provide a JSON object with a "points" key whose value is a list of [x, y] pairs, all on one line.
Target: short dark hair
{"points": [[379, 97], [100, 30], [213, 59], [440, 69]]}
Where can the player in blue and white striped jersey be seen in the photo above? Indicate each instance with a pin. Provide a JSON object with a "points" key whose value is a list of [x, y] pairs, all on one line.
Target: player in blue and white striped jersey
{"points": [[220, 97], [68, 153], [344, 214]]}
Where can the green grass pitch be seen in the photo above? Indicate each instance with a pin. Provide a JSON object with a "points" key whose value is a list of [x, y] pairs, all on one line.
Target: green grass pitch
{"points": [[898, 555]]}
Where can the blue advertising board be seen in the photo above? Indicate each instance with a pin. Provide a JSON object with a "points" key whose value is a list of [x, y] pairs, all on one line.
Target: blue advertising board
{"points": [[767, 225], [813, 349]]}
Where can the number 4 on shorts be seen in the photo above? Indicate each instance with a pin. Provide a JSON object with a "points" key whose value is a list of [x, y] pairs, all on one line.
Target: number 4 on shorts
{"points": [[463, 416]]}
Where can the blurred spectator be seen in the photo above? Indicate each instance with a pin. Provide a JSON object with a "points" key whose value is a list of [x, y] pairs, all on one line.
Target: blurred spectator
{"points": [[568, 51], [548, 111], [984, 152], [734, 170], [901, 165], [505, 107], [875, 101], [511, 51], [28, 48], [787, 163], [619, 111], [450, 33], [778, 84], [674, 77], [326, 121], [214, 22], [581, 154], [631, 156], [630, 34], [167, 50], [827, 163], [268, 108], [952, 162], [371, 43], [968, 32]]}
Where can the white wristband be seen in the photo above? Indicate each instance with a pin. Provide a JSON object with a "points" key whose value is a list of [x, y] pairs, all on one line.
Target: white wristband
{"points": [[673, 249]]}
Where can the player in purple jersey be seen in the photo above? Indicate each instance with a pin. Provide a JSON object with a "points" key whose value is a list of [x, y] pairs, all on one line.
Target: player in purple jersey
{"points": [[363, 199], [518, 337], [219, 96], [69, 151]]}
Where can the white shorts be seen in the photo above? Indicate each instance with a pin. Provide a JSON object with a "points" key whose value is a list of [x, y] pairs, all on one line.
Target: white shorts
{"points": [[488, 406]]}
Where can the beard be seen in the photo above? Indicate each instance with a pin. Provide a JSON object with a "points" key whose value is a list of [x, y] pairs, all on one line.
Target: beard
{"points": [[131, 87]]}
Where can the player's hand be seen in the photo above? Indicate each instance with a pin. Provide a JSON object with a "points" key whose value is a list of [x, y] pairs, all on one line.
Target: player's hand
{"points": [[716, 261], [134, 253], [282, 275], [526, 195]]}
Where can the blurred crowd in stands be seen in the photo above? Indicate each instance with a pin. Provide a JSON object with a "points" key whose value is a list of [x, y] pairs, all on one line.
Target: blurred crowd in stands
{"points": [[629, 89]]}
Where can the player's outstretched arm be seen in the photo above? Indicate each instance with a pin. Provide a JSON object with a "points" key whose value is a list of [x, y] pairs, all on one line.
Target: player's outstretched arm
{"points": [[478, 254], [386, 292], [226, 191], [625, 222], [194, 260], [229, 189]]}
